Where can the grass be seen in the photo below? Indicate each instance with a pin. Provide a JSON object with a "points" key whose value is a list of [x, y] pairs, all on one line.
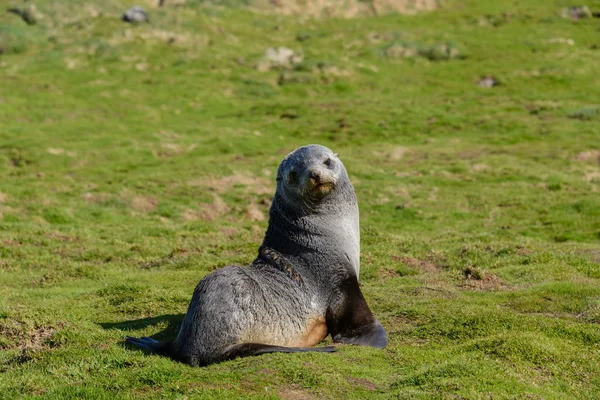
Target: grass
{"points": [[134, 160]]}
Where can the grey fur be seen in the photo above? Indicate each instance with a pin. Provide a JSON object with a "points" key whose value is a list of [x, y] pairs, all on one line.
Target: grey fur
{"points": [[306, 272]]}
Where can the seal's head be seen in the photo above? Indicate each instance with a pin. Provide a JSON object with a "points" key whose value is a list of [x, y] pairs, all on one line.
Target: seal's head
{"points": [[314, 214], [310, 175]]}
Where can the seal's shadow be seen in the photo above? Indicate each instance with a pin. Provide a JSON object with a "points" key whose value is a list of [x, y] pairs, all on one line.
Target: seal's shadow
{"points": [[173, 322]]}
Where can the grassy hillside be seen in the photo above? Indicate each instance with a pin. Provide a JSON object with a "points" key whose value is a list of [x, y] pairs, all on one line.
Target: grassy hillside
{"points": [[135, 159]]}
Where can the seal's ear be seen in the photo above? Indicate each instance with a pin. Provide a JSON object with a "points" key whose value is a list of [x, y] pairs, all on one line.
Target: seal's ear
{"points": [[349, 319]]}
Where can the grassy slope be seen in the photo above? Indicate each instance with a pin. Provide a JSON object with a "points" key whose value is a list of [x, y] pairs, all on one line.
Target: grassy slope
{"points": [[130, 167]]}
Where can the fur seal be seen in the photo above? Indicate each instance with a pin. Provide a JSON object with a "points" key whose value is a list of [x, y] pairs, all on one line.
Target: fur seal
{"points": [[302, 286]]}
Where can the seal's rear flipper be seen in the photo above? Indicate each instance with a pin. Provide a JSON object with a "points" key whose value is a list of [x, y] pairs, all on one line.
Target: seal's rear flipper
{"points": [[255, 349], [349, 319], [149, 344]]}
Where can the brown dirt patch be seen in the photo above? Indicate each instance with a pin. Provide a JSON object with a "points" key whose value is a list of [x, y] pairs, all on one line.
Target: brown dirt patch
{"points": [[190, 215], [387, 273], [228, 231], [479, 167], [3, 197], [589, 156], [165, 3], [171, 149], [168, 149], [96, 197], [17, 334], [346, 8], [61, 237], [415, 263], [593, 254], [524, 251], [364, 383], [254, 184], [253, 213], [294, 393], [592, 176], [144, 203], [393, 154], [475, 279], [10, 243], [208, 211]]}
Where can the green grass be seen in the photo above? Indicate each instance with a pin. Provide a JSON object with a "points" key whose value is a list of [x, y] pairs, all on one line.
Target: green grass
{"points": [[134, 160]]}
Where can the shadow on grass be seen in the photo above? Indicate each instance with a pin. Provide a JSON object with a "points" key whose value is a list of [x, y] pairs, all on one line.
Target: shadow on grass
{"points": [[169, 333]]}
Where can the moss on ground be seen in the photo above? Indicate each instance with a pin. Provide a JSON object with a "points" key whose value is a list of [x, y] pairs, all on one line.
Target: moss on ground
{"points": [[135, 159]]}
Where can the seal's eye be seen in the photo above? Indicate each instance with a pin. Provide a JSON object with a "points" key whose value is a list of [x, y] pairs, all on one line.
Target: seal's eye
{"points": [[328, 162], [292, 177]]}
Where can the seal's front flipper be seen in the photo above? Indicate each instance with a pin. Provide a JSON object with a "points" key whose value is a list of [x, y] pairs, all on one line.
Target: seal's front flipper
{"points": [[349, 319], [255, 349], [373, 336]]}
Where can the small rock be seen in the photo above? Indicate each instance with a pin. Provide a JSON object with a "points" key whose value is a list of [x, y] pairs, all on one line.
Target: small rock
{"points": [[576, 13], [570, 42], [440, 52], [30, 14], [488, 82], [135, 14], [281, 58]]}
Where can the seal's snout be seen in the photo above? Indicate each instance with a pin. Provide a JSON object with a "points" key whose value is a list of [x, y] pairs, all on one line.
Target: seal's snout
{"points": [[320, 182], [315, 176]]}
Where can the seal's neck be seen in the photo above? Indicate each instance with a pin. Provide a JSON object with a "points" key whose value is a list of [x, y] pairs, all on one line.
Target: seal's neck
{"points": [[328, 238]]}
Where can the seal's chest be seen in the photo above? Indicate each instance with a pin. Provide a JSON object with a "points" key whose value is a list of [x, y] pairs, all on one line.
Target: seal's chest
{"points": [[315, 332]]}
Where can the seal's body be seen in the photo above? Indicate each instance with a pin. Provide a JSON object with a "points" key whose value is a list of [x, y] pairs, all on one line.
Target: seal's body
{"points": [[302, 286]]}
